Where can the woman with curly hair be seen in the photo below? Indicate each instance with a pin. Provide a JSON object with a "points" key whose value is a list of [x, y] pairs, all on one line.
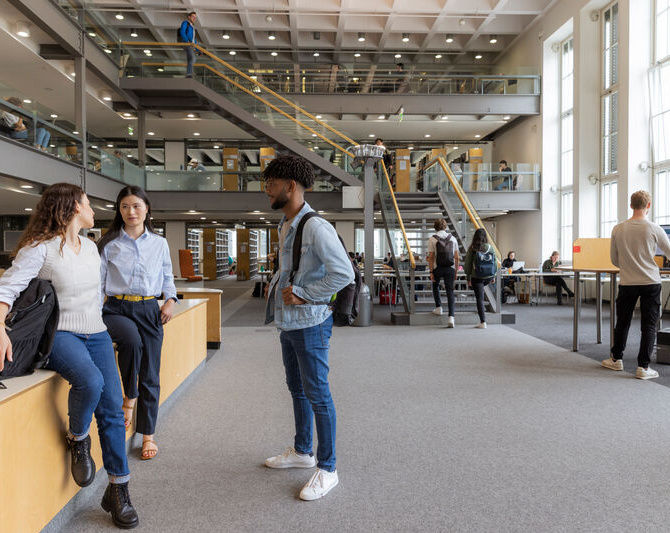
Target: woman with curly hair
{"points": [[52, 249]]}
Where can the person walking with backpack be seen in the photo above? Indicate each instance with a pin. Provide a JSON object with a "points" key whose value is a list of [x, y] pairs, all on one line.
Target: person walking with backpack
{"points": [[632, 248], [135, 270], [481, 265], [298, 302], [442, 261], [52, 249], [186, 34]]}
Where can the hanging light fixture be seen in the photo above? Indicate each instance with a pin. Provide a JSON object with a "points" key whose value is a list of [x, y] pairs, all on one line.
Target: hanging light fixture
{"points": [[405, 37], [272, 36], [449, 38], [361, 37]]}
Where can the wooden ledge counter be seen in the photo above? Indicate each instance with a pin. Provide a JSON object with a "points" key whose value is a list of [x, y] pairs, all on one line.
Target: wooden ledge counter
{"points": [[34, 462], [213, 297]]}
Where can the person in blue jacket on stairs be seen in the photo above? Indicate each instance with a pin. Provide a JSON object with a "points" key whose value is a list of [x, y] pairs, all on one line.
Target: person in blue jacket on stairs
{"points": [[186, 34]]}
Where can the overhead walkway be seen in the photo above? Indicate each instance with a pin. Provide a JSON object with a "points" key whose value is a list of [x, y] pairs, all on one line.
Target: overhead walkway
{"points": [[412, 215], [242, 100]]}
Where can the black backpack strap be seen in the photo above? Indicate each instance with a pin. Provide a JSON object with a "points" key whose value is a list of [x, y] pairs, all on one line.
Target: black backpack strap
{"points": [[297, 243]]}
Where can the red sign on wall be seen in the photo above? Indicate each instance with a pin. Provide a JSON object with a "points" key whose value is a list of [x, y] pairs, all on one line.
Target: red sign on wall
{"points": [[576, 249]]}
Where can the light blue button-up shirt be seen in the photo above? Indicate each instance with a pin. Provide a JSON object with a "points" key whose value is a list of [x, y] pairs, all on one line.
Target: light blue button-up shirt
{"points": [[325, 269], [139, 266]]}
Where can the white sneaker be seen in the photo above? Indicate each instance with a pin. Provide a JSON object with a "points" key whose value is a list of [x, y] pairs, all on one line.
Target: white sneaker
{"points": [[645, 373], [450, 322], [612, 364], [321, 484], [481, 325], [291, 459], [437, 311]]}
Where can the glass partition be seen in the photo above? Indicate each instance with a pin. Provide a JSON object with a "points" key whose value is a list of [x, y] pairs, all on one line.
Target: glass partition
{"points": [[486, 177]]}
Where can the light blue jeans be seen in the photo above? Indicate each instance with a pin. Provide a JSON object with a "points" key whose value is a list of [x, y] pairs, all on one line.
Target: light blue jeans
{"points": [[42, 137]]}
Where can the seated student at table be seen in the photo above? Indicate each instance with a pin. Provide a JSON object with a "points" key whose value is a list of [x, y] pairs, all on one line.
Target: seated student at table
{"points": [[508, 282], [550, 265]]}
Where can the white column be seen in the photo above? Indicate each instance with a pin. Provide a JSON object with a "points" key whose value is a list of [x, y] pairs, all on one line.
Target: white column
{"points": [[346, 230], [586, 125], [175, 233], [174, 155]]}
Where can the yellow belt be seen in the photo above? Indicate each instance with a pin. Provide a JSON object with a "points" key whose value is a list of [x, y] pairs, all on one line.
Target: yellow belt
{"points": [[132, 297]]}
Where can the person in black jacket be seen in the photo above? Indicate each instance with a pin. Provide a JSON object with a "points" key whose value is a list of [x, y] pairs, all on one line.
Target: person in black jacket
{"points": [[508, 285]]}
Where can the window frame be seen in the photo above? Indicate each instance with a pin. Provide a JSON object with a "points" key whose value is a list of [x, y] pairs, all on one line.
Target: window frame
{"points": [[564, 189]]}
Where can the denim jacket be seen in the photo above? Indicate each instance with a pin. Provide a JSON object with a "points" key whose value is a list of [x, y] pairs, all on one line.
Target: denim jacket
{"points": [[325, 268]]}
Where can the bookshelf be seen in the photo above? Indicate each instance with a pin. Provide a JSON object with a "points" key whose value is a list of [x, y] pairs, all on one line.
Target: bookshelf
{"points": [[193, 238]]}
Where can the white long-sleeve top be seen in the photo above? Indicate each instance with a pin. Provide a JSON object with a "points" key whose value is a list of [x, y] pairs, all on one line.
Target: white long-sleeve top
{"points": [[75, 277]]}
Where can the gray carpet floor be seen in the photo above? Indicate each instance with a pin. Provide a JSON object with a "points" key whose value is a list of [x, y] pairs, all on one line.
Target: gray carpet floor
{"points": [[438, 430]]}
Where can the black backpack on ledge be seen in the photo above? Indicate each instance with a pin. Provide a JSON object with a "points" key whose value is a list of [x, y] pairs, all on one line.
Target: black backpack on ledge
{"points": [[345, 305], [31, 327]]}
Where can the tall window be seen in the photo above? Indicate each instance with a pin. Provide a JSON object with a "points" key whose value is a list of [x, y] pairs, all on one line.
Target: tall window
{"points": [[609, 108], [660, 113], [608, 208], [567, 148]]}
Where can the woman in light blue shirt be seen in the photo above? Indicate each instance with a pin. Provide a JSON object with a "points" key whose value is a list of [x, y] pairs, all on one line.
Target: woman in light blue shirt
{"points": [[135, 270]]}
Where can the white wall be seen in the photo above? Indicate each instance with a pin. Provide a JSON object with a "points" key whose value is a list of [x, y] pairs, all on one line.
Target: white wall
{"points": [[346, 231], [520, 232], [521, 143], [175, 233]]}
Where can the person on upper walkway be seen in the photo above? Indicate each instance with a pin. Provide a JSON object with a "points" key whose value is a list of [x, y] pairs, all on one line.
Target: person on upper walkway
{"points": [[186, 34]]}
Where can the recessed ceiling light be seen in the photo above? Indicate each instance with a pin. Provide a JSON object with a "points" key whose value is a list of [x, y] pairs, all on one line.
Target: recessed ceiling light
{"points": [[73, 73], [354, 79], [190, 115], [232, 52], [438, 56], [28, 209], [450, 38], [108, 51], [119, 16], [427, 135], [321, 212], [91, 34], [214, 222], [216, 147], [127, 115], [261, 218], [273, 54], [160, 69], [52, 145], [477, 136], [313, 134], [316, 54], [455, 147], [398, 56], [506, 117], [410, 148], [444, 117], [493, 39], [203, 218], [226, 36], [75, 133], [357, 54], [478, 56], [196, 133], [150, 133], [27, 101], [129, 155], [191, 210], [22, 29], [405, 37], [107, 98], [371, 134], [461, 22], [110, 146], [380, 117], [256, 211], [133, 33], [109, 205], [147, 51], [53, 115], [319, 116], [26, 186], [272, 36], [361, 37]]}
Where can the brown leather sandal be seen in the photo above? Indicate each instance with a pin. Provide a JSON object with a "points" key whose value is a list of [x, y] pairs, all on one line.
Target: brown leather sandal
{"points": [[149, 449], [127, 412]]}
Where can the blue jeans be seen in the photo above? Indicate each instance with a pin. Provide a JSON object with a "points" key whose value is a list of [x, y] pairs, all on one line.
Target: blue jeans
{"points": [[305, 354], [42, 139], [87, 362], [190, 59]]}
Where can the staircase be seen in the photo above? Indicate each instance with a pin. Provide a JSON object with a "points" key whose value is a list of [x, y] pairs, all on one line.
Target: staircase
{"points": [[419, 211]]}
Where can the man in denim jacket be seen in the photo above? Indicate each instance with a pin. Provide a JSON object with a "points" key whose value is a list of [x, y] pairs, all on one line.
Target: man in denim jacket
{"points": [[302, 315]]}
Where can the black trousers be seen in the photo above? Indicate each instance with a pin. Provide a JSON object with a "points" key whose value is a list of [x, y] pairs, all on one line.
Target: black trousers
{"points": [[448, 274], [137, 330], [560, 285], [478, 285], [650, 305]]}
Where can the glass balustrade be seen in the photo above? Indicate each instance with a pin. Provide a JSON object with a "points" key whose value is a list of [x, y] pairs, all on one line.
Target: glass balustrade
{"points": [[485, 177]]}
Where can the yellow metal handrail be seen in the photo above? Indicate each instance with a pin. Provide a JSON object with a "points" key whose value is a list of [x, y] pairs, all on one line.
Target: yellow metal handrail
{"points": [[412, 262], [248, 78], [465, 201], [260, 99]]}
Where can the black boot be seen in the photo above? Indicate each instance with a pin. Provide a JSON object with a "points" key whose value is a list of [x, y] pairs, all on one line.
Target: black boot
{"points": [[83, 466], [117, 501]]}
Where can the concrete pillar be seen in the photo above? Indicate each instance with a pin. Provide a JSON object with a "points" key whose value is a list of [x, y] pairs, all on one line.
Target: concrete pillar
{"points": [[346, 230], [175, 233], [80, 109], [142, 137], [175, 154]]}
